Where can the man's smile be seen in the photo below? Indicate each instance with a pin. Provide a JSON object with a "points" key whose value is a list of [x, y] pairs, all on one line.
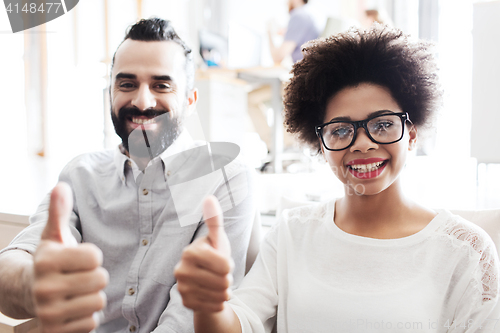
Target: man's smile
{"points": [[148, 123]]}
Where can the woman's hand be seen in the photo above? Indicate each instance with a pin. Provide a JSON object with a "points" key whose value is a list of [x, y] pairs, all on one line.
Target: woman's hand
{"points": [[204, 273]]}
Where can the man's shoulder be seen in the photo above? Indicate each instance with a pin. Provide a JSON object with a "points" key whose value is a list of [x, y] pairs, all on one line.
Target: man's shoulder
{"points": [[92, 161], [301, 13]]}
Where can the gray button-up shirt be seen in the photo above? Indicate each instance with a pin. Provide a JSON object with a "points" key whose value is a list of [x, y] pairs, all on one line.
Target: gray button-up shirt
{"points": [[134, 221]]}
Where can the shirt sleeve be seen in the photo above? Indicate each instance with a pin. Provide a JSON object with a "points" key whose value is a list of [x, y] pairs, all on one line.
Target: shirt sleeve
{"points": [[479, 309], [256, 301], [238, 223], [295, 31]]}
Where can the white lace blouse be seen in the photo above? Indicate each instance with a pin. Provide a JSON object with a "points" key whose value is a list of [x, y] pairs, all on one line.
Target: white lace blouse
{"points": [[311, 276]]}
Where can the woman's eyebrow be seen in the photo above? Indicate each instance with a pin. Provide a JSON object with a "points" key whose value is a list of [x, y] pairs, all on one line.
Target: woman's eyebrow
{"points": [[372, 114], [341, 118], [377, 113]]}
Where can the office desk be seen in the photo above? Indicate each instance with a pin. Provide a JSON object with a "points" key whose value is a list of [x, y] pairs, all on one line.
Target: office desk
{"points": [[275, 77], [9, 325], [25, 182], [224, 99]]}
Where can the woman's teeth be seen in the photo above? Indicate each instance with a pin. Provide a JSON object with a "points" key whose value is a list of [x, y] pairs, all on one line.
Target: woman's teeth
{"points": [[142, 121], [366, 167]]}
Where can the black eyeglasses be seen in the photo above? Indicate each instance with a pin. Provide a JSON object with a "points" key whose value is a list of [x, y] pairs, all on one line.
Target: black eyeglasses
{"points": [[383, 129]]}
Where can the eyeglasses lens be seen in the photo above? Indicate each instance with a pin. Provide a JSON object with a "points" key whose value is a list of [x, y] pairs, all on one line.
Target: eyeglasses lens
{"points": [[383, 129]]}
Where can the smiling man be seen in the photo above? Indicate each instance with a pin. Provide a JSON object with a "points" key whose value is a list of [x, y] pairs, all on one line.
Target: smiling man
{"points": [[145, 85], [113, 236]]}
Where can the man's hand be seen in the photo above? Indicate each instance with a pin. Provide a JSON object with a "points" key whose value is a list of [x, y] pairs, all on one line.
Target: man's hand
{"points": [[68, 277], [204, 274]]}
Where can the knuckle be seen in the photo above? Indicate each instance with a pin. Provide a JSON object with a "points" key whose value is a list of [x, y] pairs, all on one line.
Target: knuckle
{"points": [[188, 254], [90, 324], [178, 270], [101, 278], [227, 295], [92, 254], [44, 328], [188, 303], [43, 291], [43, 263], [226, 283], [100, 301], [182, 274], [218, 307], [48, 315], [229, 279], [183, 289]]}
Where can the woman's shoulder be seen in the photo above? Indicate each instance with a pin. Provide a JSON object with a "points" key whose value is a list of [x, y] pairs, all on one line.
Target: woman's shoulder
{"points": [[463, 232]]}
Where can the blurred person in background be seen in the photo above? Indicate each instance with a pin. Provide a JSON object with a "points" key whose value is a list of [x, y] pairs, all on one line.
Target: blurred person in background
{"points": [[301, 29]]}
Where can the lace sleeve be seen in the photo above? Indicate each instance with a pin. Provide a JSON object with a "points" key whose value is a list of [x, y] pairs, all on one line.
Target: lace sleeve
{"points": [[486, 272], [479, 307]]}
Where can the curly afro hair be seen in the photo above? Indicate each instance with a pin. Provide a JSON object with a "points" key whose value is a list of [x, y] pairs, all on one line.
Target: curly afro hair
{"points": [[380, 55]]}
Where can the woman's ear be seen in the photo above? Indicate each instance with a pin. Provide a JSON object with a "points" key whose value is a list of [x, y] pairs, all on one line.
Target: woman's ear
{"points": [[322, 150], [413, 137]]}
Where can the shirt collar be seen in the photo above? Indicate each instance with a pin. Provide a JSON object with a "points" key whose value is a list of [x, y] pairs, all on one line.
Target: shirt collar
{"points": [[183, 143]]}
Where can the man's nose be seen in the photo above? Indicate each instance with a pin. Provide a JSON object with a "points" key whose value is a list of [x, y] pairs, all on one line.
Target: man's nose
{"points": [[144, 98], [363, 143]]}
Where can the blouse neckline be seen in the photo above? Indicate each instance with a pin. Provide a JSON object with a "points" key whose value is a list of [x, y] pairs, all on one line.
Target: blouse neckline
{"points": [[407, 240]]}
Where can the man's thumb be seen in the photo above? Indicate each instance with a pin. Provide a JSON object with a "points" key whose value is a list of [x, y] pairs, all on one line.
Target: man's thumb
{"points": [[212, 214], [61, 205]]}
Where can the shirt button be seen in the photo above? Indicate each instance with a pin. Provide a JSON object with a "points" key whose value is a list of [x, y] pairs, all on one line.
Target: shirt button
{"points": [[131, 291], [145, 242], [129, 163], [168, 173], [145, 192], [132, 328]]}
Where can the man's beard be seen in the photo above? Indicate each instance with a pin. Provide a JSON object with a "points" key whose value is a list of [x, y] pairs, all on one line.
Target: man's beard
{"points": [[146, 143]]}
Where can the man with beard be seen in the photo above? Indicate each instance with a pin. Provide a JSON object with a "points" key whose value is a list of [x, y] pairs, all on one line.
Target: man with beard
{"points": [[113, 235]]}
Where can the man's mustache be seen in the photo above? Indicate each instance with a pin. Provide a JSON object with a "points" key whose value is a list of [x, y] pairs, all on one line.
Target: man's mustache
{"points": [[134, 112]]}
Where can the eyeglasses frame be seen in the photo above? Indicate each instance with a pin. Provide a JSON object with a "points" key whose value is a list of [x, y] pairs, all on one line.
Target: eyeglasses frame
{"points": [[363, 124]]}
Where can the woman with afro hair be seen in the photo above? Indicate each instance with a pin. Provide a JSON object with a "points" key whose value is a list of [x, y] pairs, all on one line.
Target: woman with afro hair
{"points": [[373, 260]]}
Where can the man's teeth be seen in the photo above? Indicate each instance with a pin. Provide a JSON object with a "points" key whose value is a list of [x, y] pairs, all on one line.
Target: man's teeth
{"points": [[366, 167], [142, 121]]}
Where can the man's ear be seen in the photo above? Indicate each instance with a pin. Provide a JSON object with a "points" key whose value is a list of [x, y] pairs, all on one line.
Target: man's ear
{"points": [[412, 131], [192, 98]]}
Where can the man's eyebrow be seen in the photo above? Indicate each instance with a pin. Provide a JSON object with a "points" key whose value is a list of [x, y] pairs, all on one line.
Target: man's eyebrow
{"points": [[162, 77], [126, 76]]}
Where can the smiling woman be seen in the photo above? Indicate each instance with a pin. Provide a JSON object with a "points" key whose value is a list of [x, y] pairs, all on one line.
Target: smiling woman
{"points": [[373, 260]]}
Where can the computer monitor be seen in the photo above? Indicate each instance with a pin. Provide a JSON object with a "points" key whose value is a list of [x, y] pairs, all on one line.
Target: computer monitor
{"points": [[213, 48]]}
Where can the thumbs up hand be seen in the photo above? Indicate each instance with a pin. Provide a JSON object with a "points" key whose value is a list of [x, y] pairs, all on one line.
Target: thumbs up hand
{"points": [[57, 228], [204, 273], [68, 277], [212, 214]]}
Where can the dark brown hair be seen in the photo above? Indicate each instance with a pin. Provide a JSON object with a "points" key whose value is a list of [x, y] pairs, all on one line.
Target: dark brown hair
{"points": [[381, 55], [157, 29]]}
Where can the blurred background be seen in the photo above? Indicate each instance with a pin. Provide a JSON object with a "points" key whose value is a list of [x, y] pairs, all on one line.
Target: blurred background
{"points": [[55, 103]]}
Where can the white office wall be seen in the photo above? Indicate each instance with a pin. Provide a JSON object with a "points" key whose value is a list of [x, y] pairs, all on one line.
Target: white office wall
{"points": [[485, 133]]}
